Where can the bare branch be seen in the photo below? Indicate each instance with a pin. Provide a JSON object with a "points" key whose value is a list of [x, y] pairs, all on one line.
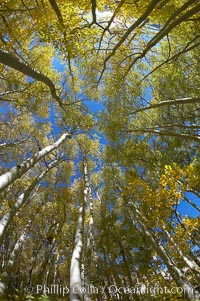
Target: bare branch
{"points": [[167, 103], [168, 126], [197, 193], [170, 134], [191, 203], [14, 144]]}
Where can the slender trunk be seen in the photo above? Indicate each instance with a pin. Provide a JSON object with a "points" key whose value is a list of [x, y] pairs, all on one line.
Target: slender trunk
{"points": [[43, 267], [128, 272], [19, 170], [18, 244], [88, 253], [31, 266], [8, 216], [189, 264], [8, 271], [174, 271], [76, 264], [47, 275], [79, 271], [56, 265], [75, 269]]}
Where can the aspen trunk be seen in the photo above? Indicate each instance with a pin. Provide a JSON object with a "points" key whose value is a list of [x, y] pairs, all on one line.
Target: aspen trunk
{"points": [[8, 271], [16, 172], [88, 253], [175, 272], [8, 216], [75, 269], [77, 265]]}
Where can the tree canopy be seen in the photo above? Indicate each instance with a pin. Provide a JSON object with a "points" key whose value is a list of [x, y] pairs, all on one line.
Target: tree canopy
{"points": [[99, 150]]}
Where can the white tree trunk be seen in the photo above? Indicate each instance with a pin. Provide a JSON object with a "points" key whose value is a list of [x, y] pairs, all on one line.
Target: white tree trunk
{"points": [[174, 271], [189, 264], [75, 269], [56, 265], [8, 269], [8, 216], [88, 253], [17, 171], [18, 244]]}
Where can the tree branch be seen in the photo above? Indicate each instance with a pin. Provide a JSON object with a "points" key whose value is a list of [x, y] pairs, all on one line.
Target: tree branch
{"points": [[13, 62], [94, 5], [167, 103], [191, 203], [170, 134], [56, 10], [174, 57]]}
